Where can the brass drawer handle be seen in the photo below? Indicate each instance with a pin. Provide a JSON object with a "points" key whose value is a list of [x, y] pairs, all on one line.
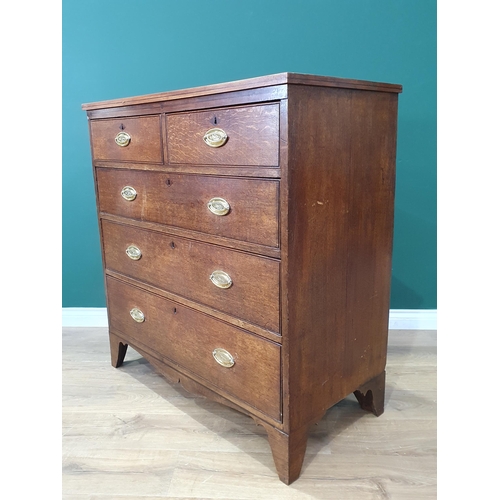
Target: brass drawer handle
{"points": [[218, 206], [215, 137], [129, 193], [221, 279], [137, 315], [122, 139], [133, 252], [223, 357]]}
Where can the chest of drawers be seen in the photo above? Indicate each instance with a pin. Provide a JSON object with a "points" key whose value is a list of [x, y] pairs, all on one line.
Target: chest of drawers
{"points": [[246, 233]]}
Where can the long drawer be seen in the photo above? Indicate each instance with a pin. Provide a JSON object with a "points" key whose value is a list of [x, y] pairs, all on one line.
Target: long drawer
{"points": [[194, 202], [233, 136], [230, 359], [243, 285]]}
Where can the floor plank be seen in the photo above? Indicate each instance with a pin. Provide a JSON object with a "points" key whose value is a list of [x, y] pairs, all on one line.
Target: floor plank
{"points": [[128, 434]]}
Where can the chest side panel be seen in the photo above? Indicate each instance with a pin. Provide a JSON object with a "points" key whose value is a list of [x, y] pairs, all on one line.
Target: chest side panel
{"points": [[340, 212]]}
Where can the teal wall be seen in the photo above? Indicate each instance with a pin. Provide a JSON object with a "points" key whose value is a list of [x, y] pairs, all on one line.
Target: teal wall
{"points": [[132, 47]]}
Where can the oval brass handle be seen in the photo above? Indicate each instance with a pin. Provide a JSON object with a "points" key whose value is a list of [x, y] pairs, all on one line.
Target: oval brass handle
{"points": [[129, 193], [137, 315], [133, 252], [218, 206], [221, 279], [215, 137], [223, 357], [122, 139]]}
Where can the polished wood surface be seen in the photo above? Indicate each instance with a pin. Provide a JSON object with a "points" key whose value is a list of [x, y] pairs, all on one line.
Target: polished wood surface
{"points": [[129, 435], [233, 320], [181, 201], [145, 144], [328, 212], [339, 244], [198, 101], [184, 267], [252, 131], [279, 79], [178, 333]]}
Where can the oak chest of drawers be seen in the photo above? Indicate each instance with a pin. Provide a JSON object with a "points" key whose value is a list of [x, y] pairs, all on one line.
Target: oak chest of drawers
{"points": [[246, 233]]}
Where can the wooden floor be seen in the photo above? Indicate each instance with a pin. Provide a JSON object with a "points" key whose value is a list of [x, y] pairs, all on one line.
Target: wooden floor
{"points": [[128, 434]]}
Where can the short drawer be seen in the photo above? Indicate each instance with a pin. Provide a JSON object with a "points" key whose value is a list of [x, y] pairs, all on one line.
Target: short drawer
{"points": [[232, 136], [251, 213], [243, 285], [127, 139], [250, 368]]}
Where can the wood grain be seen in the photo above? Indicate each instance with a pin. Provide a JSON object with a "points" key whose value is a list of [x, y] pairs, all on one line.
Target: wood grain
{"points": [[253, 136], [204, 101], [129, 435], [249, 83], [227, 318], [227, 171], [145, 144], [338, 243], [184, 267], [181, 201], [188, 338]]}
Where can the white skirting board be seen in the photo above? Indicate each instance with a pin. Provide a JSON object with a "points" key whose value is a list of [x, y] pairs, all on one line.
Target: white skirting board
{"points": [[399, 319]]}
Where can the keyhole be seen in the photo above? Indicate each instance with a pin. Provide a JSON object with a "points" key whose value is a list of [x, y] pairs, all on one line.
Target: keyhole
{"points": [[172, 244], [122, 127], [168, 182], [175, 310], [215, 120]]}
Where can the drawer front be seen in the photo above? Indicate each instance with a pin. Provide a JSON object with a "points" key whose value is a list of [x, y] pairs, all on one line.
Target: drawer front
{"points": [[186, 267], [189, 338], [252, 136], [182, 201], [127, 139]]}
